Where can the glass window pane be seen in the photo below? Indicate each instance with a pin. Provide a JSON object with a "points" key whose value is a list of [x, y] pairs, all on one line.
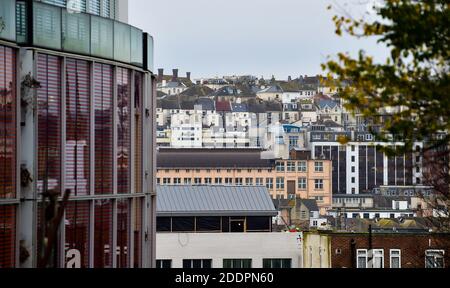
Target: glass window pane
{"points": [[8, 123], [7, 20], [122, 48], [103, 234], [149, 52], [101, 37], [77, 170], [47, 26], [94, 7], [21, 22], [136, 47], [7, 236], [77, 228], [76, 32]]}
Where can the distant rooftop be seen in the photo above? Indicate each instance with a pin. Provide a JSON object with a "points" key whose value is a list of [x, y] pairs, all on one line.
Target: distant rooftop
{"points": [[211, 158], [214, 200]]}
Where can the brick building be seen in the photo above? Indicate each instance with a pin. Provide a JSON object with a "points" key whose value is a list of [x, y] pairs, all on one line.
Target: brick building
{"points": [[390, 250]]}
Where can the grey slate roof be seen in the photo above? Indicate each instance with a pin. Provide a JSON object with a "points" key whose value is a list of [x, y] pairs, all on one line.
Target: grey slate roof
{"points": [[235, 107], [214, 200], [207, 104], [311, 204]]}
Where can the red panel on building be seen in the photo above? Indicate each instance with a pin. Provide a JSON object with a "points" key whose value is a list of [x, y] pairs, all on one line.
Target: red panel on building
{"points": [[7, 236], [103, 105], [8, 122], [103, 233], [123, 226], [77, 231], [49, 123], [77, 161], [123, 130]]}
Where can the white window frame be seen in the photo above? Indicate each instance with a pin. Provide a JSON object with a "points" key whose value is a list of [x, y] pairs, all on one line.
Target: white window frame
{"points": [[318, 166], [399, 256], [357, 257], [301, 166], [378, 256], [441, 251], [303, 182]]}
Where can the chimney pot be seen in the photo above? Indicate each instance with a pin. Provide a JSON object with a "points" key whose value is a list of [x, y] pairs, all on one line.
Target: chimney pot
{"points": [[160, 74], [175, 74]]}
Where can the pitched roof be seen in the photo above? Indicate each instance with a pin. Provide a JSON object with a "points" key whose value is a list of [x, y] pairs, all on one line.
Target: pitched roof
{"points": [[197, 90], [223, 106], [272, 89], [311, 204], [211, 158], [207, 103], [167, 104], [213, 200], [225, 91], [322, 103], [241, 107]]}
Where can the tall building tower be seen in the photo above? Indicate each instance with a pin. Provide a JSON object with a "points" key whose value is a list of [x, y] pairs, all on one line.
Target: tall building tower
{"points": [[76, 119]]}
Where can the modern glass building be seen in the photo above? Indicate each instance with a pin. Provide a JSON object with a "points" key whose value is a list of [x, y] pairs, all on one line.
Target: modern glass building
{"points": [[76, 113]]}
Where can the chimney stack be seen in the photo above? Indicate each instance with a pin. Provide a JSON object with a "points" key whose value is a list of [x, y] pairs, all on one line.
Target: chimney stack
{"points": [[160, 74], [289, 78], [175, 75], [188, 75]]}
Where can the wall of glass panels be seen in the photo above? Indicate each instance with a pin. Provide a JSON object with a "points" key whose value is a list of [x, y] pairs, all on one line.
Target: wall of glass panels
{"points": [[123, 224], [122, 213], [78, 142], [137, 232], [138, 141], [76, 31], [103, 121], [77, 227], [122, 42], [123, 79], [136, 47], [46, 26], [21, 22], [102, 36], [7, 236], [103, 233], [7, 20], [8, 123], [49, 123]]}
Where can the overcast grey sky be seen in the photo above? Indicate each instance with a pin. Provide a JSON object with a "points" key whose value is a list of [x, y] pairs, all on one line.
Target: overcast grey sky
{"points": [[234, 37]]}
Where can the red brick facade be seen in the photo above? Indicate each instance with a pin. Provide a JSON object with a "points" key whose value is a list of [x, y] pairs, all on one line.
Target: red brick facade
{"points": [[412, 246]]}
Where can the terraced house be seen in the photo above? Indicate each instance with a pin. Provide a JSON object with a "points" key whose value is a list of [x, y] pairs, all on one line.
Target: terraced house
{"points": [[309, 179]]}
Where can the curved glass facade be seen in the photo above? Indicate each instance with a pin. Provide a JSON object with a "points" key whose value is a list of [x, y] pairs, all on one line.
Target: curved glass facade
{"points": [[84, 87]]}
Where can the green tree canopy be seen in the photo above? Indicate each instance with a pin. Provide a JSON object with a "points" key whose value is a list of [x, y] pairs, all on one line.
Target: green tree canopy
{"points": [[412, 85]]}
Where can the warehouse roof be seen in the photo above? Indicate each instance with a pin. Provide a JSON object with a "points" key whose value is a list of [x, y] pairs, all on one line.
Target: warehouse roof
{"points": [[213, 200]]}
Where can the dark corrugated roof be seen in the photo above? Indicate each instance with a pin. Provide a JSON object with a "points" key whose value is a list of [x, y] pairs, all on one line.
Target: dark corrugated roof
{"points": [[213, 200], [211, 158]]}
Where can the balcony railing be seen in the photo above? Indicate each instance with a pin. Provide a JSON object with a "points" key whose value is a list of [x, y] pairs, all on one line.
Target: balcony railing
{"points": [[32, 23]]}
